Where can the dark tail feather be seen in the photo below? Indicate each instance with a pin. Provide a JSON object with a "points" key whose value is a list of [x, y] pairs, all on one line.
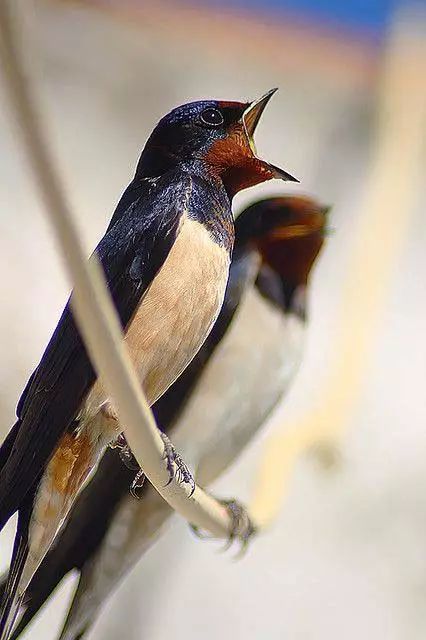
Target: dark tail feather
{"points": [[6, 447], [6, 512], [12, 599], [40, 589], [5, 451]]}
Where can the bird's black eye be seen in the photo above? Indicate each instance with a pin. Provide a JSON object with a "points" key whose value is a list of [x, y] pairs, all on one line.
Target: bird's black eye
{"points": [[212, 117]]}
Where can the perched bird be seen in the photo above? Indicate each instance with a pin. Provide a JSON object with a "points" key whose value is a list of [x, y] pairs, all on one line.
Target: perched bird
{"points": [[166, 256], [214, 409]]}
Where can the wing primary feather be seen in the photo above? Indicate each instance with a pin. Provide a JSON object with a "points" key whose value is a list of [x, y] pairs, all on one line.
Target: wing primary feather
{"points": [[7, 445], [12, 598]]}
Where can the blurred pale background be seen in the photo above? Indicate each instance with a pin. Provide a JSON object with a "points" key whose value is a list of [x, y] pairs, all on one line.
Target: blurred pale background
{"points": [[347, 556]]}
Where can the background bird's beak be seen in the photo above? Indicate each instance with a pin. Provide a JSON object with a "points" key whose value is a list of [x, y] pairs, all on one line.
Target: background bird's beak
{"points": [[250, 120], [291, 231]]}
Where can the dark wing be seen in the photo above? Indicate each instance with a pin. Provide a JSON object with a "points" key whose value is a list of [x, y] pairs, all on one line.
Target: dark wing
{"points": [[131, 253], [89, 521], [138, 188]]}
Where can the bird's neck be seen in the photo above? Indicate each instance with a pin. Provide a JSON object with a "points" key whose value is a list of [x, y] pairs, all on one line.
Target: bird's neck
{"points": [[289, 296], [210, 204], [209, 201], [234, 172], [156, 160]]}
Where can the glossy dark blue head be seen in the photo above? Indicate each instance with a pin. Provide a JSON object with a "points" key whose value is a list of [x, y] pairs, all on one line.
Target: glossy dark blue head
{"points": [[216, 135]]}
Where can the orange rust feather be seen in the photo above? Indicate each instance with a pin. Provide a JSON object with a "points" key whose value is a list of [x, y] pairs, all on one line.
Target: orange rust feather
{"points": [[70, 463], [232, 159]]}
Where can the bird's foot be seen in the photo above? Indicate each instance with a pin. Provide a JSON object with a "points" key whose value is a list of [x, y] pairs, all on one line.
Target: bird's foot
{"points": [[137, 484], [242, 528], [173, 459], [129, 460], [176, 467], [125, 452]]}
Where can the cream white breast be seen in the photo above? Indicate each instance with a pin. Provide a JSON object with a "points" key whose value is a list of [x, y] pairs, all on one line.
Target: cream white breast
{"points": [[176, 313]]}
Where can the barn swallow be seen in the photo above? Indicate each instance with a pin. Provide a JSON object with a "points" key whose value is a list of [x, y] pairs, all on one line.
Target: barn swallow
{"points": [[166, 256], [214, 409]]}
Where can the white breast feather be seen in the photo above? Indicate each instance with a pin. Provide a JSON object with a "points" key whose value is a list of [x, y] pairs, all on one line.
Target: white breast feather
{"points": [[176, 313], [247, 376]]}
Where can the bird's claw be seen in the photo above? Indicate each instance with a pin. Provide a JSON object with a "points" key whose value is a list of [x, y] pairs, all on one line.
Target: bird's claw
{"points": [[176, 466], [129, 460], [125, 453], [119, 442], [242, 528], [137, 484]]}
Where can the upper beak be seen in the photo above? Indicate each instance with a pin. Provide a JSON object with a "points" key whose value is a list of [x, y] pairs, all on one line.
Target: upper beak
{"points": [[250, 120], [251, 115]]}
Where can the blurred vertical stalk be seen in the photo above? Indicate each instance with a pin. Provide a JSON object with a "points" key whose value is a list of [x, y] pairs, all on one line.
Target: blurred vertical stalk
{"points": [[394, 181]]}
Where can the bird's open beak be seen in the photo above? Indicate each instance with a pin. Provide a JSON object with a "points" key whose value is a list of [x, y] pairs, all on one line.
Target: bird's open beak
{"points": [[250, 120]]}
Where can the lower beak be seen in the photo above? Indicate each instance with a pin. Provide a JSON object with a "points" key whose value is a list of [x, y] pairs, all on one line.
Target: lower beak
{"points": [[250, 120]]}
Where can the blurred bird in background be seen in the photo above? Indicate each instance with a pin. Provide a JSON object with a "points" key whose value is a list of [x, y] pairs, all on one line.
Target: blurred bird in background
{"points": [[166, 256], [216, 406]]}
